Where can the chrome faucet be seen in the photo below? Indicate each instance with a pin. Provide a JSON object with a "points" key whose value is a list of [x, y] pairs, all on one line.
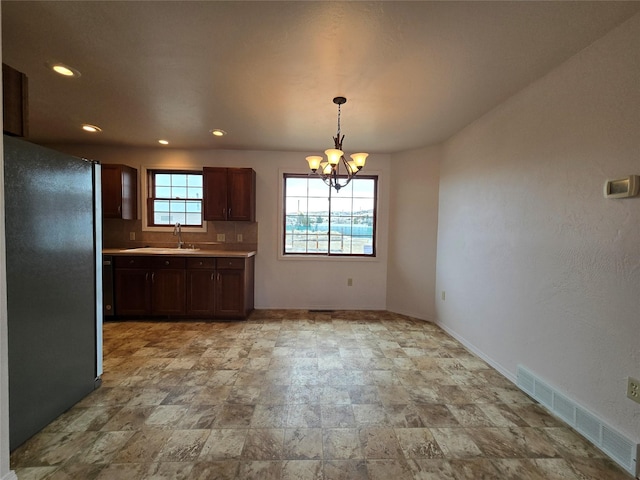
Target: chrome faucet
{"points": [[177, 231]]}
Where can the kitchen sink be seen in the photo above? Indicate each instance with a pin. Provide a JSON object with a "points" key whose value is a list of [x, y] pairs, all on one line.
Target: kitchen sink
{"points": [[162, 250]]}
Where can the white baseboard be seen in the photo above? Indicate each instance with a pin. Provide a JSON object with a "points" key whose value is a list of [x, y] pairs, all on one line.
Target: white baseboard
{"points": [[469, 346], [10, 476], [617, 447], [412, 314]]}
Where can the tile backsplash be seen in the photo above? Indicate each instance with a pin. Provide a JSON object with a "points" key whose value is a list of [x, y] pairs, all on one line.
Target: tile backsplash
{"points": [[116, 233]]}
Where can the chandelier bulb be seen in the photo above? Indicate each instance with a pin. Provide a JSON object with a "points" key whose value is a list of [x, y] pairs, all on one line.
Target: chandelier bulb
{"points": [[359, 159], [329, 170], [333, 155], [314, 162]]}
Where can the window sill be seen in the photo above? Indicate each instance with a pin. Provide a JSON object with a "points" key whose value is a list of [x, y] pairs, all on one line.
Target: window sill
{"points": [[326, 258], [203, 229]]}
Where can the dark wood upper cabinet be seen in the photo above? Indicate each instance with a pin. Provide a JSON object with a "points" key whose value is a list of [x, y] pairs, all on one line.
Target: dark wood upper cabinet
{"points": [[215, 193], [229, 194], [15, 102], [119, 192]]}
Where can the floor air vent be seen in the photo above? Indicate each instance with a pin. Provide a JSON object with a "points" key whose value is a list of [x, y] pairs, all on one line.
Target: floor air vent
{"points": [[614, 444]]}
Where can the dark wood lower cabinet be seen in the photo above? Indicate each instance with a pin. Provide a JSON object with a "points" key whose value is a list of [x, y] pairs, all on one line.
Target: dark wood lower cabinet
{"points": [[229, 293], [167, 292], [201, 281], [203, 287], [132, 293]]}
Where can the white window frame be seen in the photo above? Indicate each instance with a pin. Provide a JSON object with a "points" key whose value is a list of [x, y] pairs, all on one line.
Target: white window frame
{"points": [[144, 181]]}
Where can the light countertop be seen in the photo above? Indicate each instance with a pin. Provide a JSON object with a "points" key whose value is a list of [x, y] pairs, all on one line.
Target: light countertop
{"points": [[184, 252]]}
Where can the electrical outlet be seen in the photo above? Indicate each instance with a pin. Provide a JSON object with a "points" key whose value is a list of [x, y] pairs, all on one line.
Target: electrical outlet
{"points": [[633, 389], [132, 235], [349, 282], [239, 238], [220, 237], [443, 295]]}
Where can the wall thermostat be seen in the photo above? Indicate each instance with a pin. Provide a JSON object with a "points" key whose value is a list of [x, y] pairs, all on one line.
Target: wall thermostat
{"points": [[621, 188]]}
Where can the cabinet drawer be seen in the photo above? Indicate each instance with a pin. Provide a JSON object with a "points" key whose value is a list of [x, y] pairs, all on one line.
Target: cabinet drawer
{"points": [[168, 262], [230, 263], [132, 262], [209, 263]]}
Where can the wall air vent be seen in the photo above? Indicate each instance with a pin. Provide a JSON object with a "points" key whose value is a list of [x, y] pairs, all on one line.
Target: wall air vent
{"points": [[544, 394], [588, 424], [564, 408], [622, 450]]}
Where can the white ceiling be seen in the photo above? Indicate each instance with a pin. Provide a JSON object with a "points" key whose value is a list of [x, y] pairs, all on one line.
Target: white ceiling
{"points": [[414, 73]]}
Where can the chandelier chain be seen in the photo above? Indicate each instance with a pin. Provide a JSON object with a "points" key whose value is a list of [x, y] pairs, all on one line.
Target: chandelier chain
{"points": [[329, 171]]}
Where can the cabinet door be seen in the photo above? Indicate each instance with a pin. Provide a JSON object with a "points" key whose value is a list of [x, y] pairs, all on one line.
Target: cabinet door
{"points": [[14, 98], [132, 293], [129, 193], [111, 191], [230, 293], [200, 292], [241, 197], [167, 292], [215, 193], [119, 192]]}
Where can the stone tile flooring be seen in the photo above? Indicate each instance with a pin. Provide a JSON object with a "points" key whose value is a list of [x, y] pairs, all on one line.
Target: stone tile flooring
{"points": [[299, 395]]}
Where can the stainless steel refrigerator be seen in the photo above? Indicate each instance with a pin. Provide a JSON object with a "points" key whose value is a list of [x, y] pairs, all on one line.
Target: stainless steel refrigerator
{"points": [[53, 244]]}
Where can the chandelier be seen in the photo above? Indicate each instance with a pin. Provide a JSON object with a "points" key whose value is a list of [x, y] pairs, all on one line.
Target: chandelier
{"points": [[330, 170]]}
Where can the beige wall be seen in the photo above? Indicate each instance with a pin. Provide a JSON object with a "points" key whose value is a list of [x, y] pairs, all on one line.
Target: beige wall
{"points": [[280, 283], [539, 268], [413, 232]]}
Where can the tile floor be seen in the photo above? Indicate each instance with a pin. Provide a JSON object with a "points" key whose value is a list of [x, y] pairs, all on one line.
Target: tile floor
{"points": [[299, 395]]}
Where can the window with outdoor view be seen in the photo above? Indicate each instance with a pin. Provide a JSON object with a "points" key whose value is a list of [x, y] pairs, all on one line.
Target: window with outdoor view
{"points": [[320, 221], [174, 197]]}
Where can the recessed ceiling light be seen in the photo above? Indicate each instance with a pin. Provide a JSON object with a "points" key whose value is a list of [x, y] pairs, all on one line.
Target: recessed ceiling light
{"points": [[216, 132], [91, 128], [64, 70], [163, 142]]}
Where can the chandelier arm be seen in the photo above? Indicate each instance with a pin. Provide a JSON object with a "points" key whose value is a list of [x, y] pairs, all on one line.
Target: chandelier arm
{"points": [[332, 176]]}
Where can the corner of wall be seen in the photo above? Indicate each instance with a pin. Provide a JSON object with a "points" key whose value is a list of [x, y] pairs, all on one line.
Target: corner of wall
{"points": [[413, 226]]}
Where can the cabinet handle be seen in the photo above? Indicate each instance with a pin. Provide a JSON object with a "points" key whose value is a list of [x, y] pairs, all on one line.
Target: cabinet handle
{"points": [[166, 262], [146, 277], [153, 277], [212, 277], [229, 214], [119, 209], [223, 212], [218, 277]]}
